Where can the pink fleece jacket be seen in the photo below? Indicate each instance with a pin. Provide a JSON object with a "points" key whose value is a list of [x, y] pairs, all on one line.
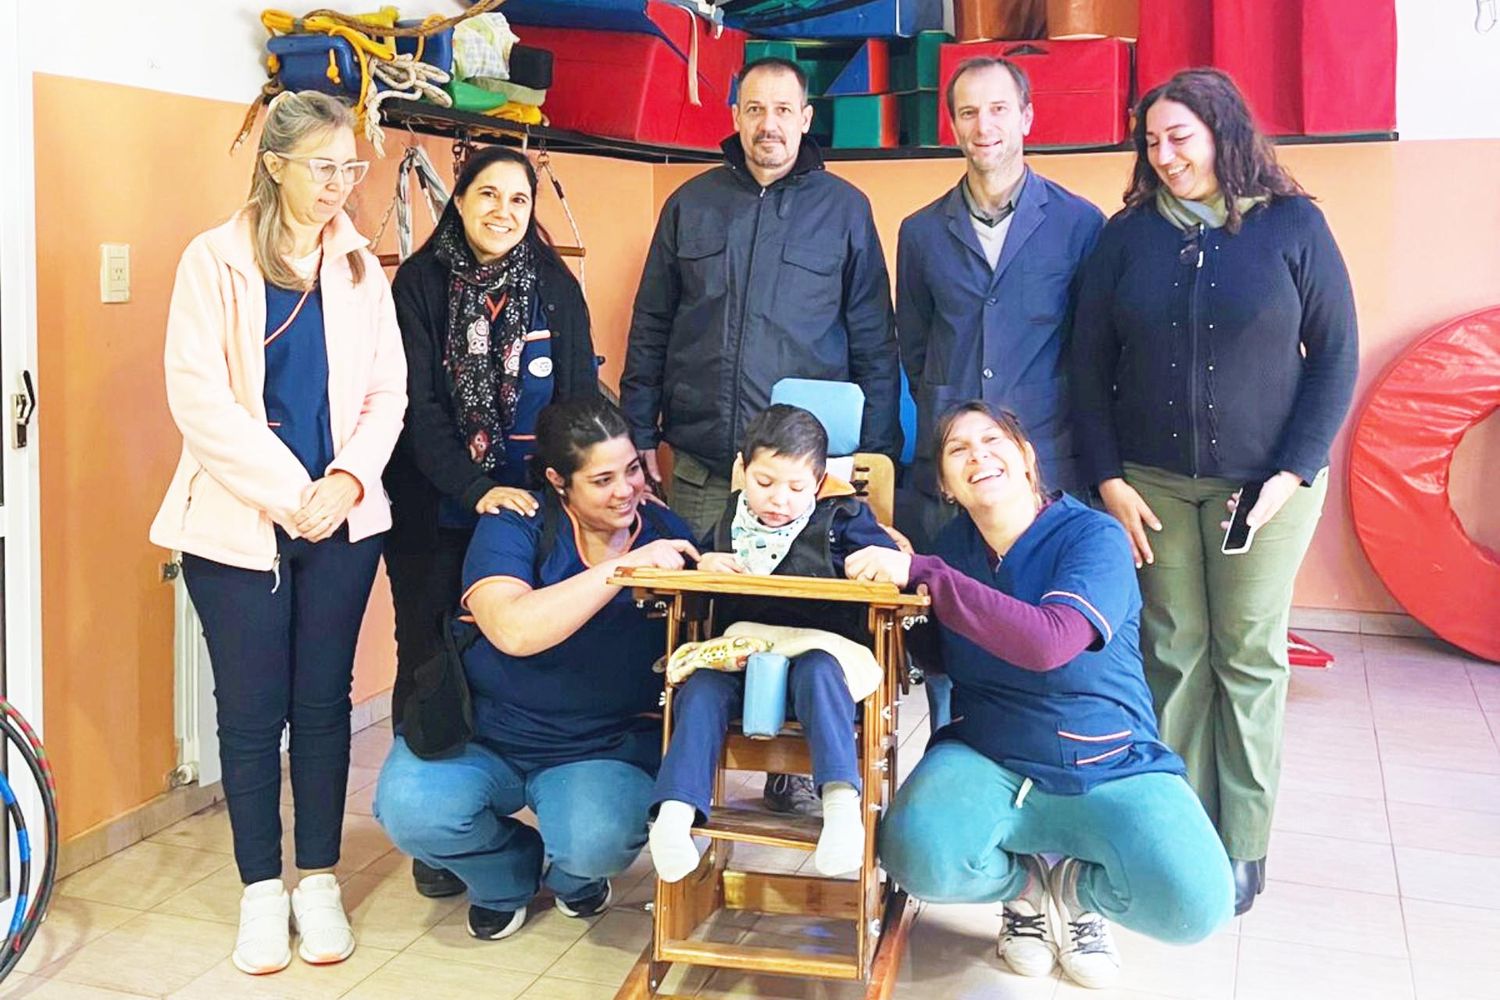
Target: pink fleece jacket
{"points": [[236, 481]]}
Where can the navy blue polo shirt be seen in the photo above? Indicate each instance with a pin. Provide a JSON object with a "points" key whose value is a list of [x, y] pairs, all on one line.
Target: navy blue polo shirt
{"points": [[1083, 723], [593, 695], [296, 393]]}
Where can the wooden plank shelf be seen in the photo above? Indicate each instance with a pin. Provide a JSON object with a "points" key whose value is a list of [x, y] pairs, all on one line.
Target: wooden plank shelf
{"points": [[429, 119]]}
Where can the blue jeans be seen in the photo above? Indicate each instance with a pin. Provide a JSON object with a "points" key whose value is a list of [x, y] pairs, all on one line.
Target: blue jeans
{"points": [[282, 653], [455, 813], [1154, 863], [702, 708]]}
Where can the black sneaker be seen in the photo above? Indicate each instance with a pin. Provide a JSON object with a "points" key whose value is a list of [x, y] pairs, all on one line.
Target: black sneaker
{"points": [[791, 793], [595, 903], [435, 883], [493, 925]]}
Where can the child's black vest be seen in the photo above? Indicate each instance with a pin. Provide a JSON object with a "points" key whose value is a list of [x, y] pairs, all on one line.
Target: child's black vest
{"points": [[811, 554]]}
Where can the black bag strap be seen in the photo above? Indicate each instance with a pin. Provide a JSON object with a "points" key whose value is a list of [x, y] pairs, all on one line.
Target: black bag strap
{"points": [[453, 622], [551, 515]]}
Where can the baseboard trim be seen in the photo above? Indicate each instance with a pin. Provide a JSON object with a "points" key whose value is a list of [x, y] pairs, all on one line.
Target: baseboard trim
{"points": [[376, 708], [1359, 622], [150, 818], [99, 842]]}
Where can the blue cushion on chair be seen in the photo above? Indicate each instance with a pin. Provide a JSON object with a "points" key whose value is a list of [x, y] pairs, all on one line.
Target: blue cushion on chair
{"points": [[840, 406]]}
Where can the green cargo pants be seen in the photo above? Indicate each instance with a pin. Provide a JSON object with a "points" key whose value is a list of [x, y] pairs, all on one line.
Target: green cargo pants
{"points": [[1213, 634], [696, 494]]}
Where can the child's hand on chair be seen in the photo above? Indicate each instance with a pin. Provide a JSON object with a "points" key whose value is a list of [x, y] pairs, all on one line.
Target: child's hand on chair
{"points": [[720, 562]]}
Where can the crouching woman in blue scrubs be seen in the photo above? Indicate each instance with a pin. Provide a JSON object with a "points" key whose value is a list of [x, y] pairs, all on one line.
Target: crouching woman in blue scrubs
{"points": [[563, 691], [1053, 747]]}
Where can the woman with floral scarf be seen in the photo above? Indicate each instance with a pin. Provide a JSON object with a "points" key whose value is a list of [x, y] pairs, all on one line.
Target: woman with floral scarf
{"points": [[495, 328]]}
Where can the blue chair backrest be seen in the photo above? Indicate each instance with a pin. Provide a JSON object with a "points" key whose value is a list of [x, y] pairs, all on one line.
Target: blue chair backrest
{"points": [[839, 406], [908, 421]]}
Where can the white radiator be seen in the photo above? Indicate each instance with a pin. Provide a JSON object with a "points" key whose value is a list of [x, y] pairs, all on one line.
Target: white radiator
{"points": [[193, 696]]}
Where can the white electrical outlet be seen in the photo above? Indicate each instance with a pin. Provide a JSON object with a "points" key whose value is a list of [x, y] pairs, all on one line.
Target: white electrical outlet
{"points": [[114, 272]]}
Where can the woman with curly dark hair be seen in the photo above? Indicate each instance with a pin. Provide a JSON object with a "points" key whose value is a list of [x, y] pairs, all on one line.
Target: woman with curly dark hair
{"points": [[1215, 349]]}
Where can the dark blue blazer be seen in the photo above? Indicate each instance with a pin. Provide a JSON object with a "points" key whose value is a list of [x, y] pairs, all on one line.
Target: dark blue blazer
{"points": [[969, 332]]}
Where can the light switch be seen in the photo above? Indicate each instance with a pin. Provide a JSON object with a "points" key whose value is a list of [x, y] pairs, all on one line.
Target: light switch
{"points": [[114, 272]]}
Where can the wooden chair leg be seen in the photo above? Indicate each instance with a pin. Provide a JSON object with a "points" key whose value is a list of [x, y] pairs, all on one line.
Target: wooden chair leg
{"points": [[645, 975], [681, 906], [895, 929]]}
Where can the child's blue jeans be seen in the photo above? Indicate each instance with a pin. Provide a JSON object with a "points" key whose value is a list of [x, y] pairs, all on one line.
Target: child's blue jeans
{"points": [[704, 705]]}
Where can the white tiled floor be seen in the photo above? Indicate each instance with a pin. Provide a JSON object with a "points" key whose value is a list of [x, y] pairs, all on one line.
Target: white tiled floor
{"points": [[1384, 882]]}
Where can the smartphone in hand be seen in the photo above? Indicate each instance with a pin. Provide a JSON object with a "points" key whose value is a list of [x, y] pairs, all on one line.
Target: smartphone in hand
{"points": [[1239, 536]]}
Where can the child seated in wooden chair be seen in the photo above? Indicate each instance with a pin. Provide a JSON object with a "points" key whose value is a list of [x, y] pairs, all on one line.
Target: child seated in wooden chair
{"points": [[793, 520]]}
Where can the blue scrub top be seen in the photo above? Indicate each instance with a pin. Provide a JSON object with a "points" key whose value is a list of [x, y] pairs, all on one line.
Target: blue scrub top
{"points": [[593, 695], [1083, 723], [296, 392]]}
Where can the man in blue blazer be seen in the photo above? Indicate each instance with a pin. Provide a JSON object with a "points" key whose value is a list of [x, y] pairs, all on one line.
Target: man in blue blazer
{"points": [[986, 285]]}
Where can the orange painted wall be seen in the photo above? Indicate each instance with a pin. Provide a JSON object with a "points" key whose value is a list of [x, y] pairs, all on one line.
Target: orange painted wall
{"points": [[118, 164], [1419, 235]]}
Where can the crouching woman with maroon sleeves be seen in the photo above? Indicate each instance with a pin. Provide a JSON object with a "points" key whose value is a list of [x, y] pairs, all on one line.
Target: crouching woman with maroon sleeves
{"points": [[1053, 747]]}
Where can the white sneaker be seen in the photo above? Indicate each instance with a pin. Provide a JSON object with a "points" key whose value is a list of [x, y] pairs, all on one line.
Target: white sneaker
{"points": [[318, 906], [1026, 943], [264, 942], [1087, 952]]}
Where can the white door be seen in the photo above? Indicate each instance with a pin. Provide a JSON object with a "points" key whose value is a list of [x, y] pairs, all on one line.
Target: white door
{"points": [[20, 581]]}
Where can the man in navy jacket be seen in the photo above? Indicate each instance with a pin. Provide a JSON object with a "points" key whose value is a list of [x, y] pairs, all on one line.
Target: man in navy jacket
{"points": [[986, 282], [766, 267]]}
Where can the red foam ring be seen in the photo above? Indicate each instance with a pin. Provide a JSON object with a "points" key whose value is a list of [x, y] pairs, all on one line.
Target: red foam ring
{"points": [[1400, 458]]}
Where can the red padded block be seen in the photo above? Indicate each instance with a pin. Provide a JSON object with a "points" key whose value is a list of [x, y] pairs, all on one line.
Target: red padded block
{"points": [[1256, 42], [1348, 66], [1079, 88], [1174, 35], [628, 85], [1306, 67]]}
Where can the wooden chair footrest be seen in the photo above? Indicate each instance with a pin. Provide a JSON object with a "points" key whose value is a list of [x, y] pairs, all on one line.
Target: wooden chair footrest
{"points": [[760, 826], [777, 961], [796, 895]]}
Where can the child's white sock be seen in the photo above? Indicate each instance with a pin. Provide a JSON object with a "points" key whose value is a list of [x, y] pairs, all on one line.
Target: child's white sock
{"points": [[671, 841], [841, 845]]}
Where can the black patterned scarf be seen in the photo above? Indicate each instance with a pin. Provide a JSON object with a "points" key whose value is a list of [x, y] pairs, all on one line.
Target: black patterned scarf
{"points": [[489, 315]]}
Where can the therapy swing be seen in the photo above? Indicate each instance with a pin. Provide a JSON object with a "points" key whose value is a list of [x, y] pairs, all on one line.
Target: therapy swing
{"points": [[415, 162]]}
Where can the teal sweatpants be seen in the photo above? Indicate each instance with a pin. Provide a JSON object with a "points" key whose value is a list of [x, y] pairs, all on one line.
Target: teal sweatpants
{"points": [[1154, 863]]}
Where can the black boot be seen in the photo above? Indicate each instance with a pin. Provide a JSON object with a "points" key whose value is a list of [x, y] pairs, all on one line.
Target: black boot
{"points": [[1249, 880], [435, 883]]}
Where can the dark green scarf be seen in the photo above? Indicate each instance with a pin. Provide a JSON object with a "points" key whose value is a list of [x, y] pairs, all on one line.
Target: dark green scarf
{"points": [[1211, 213]]}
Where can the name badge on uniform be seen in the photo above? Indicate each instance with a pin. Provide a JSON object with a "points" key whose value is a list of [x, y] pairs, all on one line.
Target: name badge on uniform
{"points": [[540, 367], [479, 337]]}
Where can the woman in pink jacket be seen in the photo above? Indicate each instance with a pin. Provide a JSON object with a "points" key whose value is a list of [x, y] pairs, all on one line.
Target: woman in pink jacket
{"points": [[286, 376]]}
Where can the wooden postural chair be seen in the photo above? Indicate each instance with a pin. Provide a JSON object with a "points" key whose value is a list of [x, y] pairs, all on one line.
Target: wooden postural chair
{"points": [[878, 910]]}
